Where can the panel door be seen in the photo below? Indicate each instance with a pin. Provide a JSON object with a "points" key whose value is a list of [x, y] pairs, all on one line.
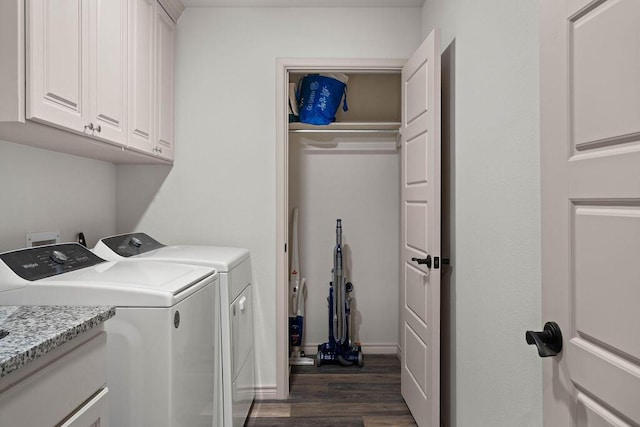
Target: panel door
{"points": [[94, 413], [142, 15], [590, 115], [165, 35], [420, 229], [108, 72], [57, 62]]}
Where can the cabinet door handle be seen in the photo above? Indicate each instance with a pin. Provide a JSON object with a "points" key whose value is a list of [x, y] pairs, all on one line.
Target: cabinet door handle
{"points": [[93, 128], [241, 303]]}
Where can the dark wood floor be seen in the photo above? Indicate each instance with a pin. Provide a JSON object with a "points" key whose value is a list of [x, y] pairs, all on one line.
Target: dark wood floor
{"points": [[339, 396]]}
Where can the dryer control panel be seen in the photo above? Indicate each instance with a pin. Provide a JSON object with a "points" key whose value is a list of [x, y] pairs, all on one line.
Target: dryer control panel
{"points": [[127, 245], [46, 261]]}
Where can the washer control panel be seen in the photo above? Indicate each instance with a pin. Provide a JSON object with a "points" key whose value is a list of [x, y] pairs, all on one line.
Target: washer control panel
{"points": [[127, 245], [46, 261]]}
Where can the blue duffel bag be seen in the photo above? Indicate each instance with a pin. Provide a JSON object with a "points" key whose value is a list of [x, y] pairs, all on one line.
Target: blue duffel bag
{"points": [[319, 97]]}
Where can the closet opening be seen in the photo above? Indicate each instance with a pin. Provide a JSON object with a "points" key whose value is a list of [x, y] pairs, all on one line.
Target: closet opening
{"points": [[348, 170]]}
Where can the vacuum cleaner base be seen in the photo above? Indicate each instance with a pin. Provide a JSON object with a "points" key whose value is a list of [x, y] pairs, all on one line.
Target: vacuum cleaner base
{"points": [[332, 353], [298, 359]]}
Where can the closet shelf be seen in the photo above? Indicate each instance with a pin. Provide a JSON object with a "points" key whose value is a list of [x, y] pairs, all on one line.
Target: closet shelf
{"points": [[347, 127]]}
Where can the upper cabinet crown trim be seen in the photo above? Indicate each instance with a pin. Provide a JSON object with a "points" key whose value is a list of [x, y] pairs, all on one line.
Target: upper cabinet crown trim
{"points": [[174, 8]]}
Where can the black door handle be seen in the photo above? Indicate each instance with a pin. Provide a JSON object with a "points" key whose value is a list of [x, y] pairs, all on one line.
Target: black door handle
{"points": [[548, 342], [426, 261]]}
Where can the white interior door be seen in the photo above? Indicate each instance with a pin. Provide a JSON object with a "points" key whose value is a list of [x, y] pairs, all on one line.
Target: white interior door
{"points": [[590, 115], [420, 233]]}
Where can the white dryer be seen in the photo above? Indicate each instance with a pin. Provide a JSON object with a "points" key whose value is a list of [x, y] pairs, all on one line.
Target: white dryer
{"points": [[236, 308], [160, 344]]}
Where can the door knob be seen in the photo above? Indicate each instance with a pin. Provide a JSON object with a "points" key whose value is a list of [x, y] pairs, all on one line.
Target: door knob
{"points": [[426, 261], [548, 342]]}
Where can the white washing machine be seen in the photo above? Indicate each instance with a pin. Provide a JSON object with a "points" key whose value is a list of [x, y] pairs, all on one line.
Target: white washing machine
{"points": [[160, 344], [236, 308]]}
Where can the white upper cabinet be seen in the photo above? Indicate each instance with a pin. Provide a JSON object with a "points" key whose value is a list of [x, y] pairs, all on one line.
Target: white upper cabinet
{"points": [[141, 74], [151, 79], [76, 66], [97, 70], [58, 63], [165, 58], [108, 69]]}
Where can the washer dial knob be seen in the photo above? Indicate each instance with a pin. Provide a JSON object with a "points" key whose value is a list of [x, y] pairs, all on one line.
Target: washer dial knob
{"points": [[135, 242], [58, 257]]}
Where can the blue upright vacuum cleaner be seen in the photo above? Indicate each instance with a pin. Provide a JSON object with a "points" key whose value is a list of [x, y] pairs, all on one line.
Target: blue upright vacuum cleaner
{"points": [[340, 348]]}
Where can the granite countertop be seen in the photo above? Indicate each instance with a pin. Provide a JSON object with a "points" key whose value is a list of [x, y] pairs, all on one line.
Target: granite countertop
{"points": [[36, 330]]}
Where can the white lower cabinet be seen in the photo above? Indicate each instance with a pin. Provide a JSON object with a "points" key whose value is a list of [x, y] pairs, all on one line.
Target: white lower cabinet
{"points": [[66, 387], [91, 414]]}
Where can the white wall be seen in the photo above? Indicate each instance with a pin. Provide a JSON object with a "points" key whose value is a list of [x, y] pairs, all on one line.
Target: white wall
{"points": [[222, 187], [362, 189], [492, 53], [47, 191]]}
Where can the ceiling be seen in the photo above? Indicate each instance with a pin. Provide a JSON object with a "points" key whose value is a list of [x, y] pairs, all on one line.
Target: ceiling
{"points": [[302, 3]]}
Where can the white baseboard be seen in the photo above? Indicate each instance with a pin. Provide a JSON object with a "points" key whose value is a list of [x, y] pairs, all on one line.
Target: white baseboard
{"points": [[266, 392], [369, 348]]}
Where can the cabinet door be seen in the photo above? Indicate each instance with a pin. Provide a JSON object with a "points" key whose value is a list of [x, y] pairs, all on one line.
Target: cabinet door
{"points": [[165, 35], [108, 72], [94, 413], [141, 74], [57, 59]]}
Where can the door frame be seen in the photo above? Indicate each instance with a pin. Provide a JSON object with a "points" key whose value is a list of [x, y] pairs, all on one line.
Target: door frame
{"points": [[283, 67]]}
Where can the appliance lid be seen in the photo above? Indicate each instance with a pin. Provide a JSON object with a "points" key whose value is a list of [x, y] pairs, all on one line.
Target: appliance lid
{"points": [[148, 276], [221, 258], [119, 247], [52, 268]]}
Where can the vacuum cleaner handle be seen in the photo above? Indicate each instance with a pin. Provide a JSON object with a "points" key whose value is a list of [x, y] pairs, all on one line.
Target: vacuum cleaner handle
{"points": [[302, 293]]}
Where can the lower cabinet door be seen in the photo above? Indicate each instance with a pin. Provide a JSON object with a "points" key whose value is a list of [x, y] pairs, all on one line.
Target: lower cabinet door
{"points": [[93, 413]]}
